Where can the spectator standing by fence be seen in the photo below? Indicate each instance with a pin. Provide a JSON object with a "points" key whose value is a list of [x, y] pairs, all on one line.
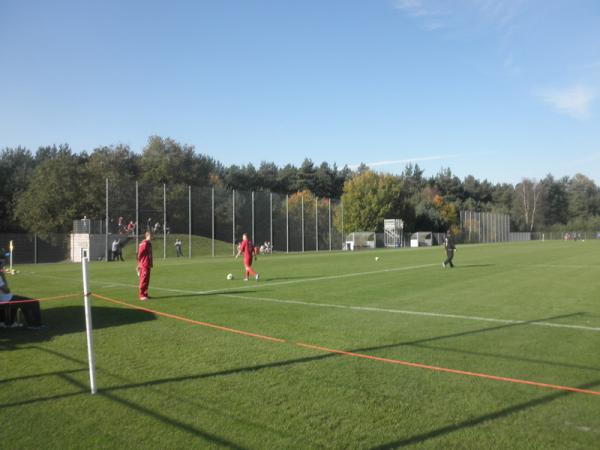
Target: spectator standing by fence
{"points": [[178, 251]]}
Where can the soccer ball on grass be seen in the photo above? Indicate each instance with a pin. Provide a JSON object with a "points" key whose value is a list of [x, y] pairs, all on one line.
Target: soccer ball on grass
{"points": [[230, 276]]}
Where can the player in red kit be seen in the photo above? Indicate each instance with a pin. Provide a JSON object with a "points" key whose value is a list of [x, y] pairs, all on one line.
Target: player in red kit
{"points": [[249, 251], [144, 259]]}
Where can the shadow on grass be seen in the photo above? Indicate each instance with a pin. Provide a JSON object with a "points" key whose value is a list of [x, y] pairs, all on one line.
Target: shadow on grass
{"points": [[63, 320], [83, 390], [420, 438], [209, 437], [308, 359], [508, 357]]}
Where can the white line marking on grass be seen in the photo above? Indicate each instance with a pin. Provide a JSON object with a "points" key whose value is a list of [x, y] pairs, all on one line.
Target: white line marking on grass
{"points": [[413, 313], [252, 285], [223, 292]]}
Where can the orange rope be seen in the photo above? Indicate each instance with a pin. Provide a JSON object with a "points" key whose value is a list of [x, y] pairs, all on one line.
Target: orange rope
{"points": [[185, 319], [45, 299], [359, 355], [455, 371]]}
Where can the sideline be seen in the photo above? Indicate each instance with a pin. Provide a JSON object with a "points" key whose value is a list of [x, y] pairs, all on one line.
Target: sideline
{"points": [[413, 313]]}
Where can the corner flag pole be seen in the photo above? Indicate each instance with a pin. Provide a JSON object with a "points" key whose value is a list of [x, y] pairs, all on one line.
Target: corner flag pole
{"points": [[11, 248], [88, 321]]}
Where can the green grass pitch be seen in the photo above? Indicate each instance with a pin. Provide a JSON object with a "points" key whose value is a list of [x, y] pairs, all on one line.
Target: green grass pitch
{"points": [[527, 311]]}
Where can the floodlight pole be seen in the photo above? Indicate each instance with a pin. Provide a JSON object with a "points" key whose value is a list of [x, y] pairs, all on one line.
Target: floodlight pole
{"points": [[88, 322]]}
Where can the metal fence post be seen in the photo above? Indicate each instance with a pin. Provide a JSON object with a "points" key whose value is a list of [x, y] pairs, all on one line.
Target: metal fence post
{"points": [[212, 201], [302, 216], [106, 225], [137, 218], [189, 221], [164, 221], [271, 219], [317, 223], [233, 216], [343, 235], [330, 224]]}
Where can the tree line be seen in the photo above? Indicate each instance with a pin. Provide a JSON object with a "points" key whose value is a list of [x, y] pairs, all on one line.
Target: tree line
{"points": [[43, 191]]}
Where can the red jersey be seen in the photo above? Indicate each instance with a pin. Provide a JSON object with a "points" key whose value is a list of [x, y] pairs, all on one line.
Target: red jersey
{"points": [[247, 247], [144, 256]]}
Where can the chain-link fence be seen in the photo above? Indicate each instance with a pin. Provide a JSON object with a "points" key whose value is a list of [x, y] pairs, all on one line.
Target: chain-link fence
{"points": [[211, 221], [484, 227], [33, 248], [200, 221]]}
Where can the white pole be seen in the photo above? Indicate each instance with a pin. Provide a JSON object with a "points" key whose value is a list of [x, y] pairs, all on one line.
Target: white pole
{"points": [[287, 223], [88, 323], [253, 240]]}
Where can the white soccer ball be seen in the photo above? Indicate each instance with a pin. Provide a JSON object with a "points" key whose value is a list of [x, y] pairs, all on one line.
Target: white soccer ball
{"points": [[377, 258], [230, 276]]}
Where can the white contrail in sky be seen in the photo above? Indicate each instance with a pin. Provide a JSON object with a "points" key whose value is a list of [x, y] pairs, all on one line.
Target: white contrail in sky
{"points": [[404, 161]]}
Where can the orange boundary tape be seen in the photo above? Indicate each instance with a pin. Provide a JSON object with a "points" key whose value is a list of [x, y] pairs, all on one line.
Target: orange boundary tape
{"points": [[44, 299], [358, 355], [194, 322], [455, 371]]}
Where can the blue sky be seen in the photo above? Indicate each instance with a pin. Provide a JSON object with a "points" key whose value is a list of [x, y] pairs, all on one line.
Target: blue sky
{"points": [[498, 89]]}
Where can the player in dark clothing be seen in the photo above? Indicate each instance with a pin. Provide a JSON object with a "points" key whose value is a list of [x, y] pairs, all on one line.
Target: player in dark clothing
{"points": [[450, 249]]}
